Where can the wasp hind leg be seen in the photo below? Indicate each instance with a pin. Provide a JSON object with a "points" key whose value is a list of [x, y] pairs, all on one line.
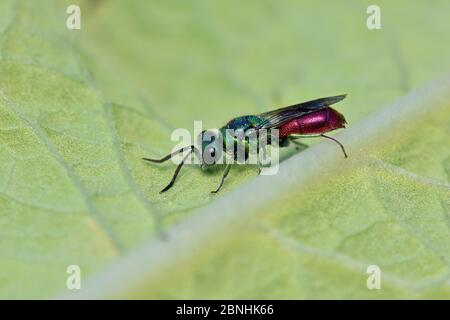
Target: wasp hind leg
{"points": [[299, 146]]}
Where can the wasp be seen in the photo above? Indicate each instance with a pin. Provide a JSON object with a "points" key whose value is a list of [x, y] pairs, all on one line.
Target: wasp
{"points": [[311, 118]]}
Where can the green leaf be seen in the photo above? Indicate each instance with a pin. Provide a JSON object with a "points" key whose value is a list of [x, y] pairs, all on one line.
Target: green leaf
{"points": [[79, 109], [312, 230]]}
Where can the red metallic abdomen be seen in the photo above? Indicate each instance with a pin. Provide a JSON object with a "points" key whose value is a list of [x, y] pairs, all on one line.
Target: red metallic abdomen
{"points": [[312, 123]]}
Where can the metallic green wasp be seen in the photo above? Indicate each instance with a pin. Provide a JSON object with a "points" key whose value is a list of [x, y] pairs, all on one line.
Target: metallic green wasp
{"points": [[311, 118]]}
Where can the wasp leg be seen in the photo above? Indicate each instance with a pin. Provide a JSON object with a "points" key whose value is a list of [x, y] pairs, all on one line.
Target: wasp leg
{"points": [[298, 145], [177, 170], [335, 140], [225, 173]]}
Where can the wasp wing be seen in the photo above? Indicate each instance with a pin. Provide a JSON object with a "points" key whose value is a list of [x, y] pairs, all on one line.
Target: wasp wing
{"points": [[276, 118]]}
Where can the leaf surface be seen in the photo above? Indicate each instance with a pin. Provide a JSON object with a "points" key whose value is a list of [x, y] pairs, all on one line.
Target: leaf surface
{"points": [[79, 109]]}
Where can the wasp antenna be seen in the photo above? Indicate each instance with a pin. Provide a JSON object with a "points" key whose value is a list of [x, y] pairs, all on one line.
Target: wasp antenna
{"points": [[175, 174], [169, 156]]}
